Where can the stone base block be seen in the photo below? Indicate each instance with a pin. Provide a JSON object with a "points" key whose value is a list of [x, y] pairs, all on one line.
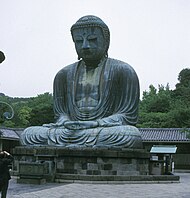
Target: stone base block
{"points": [[38, 181], [107, 179]]}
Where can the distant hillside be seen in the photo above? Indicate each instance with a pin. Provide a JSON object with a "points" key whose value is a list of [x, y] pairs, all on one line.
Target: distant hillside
{"points": [[3, 97]]}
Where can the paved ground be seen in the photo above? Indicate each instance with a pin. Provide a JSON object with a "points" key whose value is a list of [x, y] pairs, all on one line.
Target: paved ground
{"points": [[76, 190]]}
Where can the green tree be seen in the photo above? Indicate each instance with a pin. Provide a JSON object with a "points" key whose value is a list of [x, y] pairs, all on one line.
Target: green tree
{"points": [[156, 101], [180, 112], [154, 107], [28, 111], [24, 115], [9, 123], [153, 120], [182, 91], [42, 109]]}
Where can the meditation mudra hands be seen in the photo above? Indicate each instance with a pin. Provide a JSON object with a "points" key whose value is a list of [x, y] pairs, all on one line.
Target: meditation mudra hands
{"points": [[73, 125], [80, 124]]}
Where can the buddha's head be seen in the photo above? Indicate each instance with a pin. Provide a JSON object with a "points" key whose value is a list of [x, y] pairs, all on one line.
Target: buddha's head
{"points": [[91, 37]]}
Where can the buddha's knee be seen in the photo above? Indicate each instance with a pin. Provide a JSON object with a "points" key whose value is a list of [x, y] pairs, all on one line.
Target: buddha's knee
{"points": [[121, 130], [120, 136], [34, 135]]}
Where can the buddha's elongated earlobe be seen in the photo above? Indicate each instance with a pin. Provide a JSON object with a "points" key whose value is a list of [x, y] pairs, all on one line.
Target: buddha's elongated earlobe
{"points": [[79, 57]]}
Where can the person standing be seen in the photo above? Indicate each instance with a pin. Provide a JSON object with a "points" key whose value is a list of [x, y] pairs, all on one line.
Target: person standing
{"points": [[5, 160]]}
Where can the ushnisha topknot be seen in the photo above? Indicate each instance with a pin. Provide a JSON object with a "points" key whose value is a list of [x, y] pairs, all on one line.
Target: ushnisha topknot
{"points": [[93, 21]]}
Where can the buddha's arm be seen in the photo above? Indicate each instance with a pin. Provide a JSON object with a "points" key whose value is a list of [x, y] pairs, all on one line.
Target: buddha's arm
{"points": [[59, 98], [113, 120], [60, 122], [80, 124]]}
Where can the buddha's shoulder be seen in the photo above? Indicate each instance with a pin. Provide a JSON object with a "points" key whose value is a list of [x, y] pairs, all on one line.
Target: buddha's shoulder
{"points": [[119, 64], [67, 68]]}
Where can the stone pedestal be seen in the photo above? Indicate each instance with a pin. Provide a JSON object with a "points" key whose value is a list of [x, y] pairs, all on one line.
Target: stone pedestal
{"points": [[78, 161], [102, 162], [79, 164]]}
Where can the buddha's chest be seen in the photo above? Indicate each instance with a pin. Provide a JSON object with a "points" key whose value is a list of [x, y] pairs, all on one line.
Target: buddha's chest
{"points": [[87, 88]]}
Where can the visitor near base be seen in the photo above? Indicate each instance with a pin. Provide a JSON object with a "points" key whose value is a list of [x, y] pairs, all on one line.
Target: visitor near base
{"points": [[5, 160]]}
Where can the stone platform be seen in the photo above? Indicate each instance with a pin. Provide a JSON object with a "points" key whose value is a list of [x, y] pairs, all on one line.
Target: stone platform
{"points": [[55, 164]]}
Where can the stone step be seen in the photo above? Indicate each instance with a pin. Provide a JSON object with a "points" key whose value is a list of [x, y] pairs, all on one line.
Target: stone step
{"points": [[75, 178]]}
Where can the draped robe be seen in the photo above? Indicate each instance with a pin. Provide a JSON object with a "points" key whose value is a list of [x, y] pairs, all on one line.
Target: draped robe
{"points": [[116, 111]]}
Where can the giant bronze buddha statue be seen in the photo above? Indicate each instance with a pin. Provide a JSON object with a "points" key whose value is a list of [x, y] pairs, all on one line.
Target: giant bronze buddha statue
{"points": [[95, 99]]}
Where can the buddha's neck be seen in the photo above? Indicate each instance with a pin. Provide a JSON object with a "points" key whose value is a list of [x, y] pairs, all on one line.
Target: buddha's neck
{"points": [[92, 64]]}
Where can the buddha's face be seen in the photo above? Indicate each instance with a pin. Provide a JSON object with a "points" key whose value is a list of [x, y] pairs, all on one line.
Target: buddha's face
{"points": [[89, 43]]}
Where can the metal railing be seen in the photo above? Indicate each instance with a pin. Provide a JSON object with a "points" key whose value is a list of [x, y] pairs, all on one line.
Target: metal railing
{"points": [[7, 115]]}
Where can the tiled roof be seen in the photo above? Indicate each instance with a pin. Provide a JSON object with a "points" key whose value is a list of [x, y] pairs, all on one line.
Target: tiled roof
{"points": [[165, 134], [6, 133]]}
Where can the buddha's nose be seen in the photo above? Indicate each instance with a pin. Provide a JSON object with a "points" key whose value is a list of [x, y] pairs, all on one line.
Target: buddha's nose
{"points": [[85, 44]]}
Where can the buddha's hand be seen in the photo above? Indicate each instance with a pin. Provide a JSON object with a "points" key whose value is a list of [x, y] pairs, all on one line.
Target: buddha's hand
{"points": [[53, 125], [80, 124], [60, 123]]}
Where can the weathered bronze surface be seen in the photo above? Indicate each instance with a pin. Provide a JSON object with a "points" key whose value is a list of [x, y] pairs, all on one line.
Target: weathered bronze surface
{"points": [[95, 99]]}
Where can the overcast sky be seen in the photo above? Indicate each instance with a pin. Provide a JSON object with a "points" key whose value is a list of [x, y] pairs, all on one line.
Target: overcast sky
{"points": [[153, 36]]}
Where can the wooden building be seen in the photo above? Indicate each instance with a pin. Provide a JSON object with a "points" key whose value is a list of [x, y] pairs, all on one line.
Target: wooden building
{"points": [[9, 138], [170, 136]]}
